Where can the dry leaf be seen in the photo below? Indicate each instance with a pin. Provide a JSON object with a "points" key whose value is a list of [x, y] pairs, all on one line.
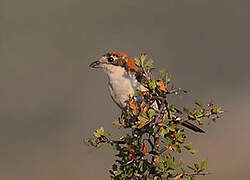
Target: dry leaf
{"points": [[160, 122], [143, 107], [162, 85], [132, 104], [178, 176], [143, 148]]}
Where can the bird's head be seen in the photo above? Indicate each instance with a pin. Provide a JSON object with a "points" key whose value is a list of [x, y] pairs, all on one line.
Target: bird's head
{"points": [[114, 59]]}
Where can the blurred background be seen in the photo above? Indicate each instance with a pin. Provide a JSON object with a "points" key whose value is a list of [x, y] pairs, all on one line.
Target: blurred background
{"points": [[50, 100]]}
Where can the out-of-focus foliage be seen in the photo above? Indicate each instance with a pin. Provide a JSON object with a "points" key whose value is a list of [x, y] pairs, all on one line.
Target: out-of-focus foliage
{"points": [[155, 133]]}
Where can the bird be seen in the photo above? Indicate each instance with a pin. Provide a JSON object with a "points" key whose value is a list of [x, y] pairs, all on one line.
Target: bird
{"points": [[123, 80], [121, 71]]}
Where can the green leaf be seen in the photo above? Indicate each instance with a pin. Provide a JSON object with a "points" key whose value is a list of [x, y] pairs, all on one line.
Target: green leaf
{"points": [[199, 103], [162, 72], [163, 131], [118, 172], [188, 146], [136, 112], [217, 110], [197, 166], [151, 113], [193, 151], [164, 176], [135, 142], [137, 61], [143, 121], [99, 132], [143, 57], [137, 93], [149, 63], [157, 178], [203, 164], [170, 162], [116, 123], [92, 142], [168, 79], [152, 84], [171, 107], [176, 148], [160, 165]]}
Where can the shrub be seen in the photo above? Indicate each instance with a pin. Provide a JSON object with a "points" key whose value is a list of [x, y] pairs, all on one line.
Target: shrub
{"points": [[156, 131]]}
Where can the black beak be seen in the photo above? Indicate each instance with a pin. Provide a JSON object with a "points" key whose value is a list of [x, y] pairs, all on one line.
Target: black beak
{"points": [[95, 64]]}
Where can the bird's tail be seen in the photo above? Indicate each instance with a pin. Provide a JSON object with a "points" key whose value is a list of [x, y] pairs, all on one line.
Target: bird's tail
{"points": [[192, 127]]}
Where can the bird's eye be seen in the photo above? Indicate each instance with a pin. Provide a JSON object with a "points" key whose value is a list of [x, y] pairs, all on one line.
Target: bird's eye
{"points": [[110, 59]]}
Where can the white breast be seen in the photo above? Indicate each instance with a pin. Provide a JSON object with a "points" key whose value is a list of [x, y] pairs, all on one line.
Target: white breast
{"points": [[121, 85]]}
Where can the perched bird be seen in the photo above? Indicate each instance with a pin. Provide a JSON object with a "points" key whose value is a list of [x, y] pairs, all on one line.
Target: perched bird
{"points": [[122, 76], [121, 71]]}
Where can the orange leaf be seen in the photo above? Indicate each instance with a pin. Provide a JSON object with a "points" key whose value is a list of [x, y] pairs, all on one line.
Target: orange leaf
{"points": [[170, 148], [178, 176], [143, 107], [132, 104], [142, 145], [160, 122], [162, 85], [143, 148]]}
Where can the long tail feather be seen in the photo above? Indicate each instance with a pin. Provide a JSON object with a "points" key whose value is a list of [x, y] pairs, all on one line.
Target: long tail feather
{"points": [[192, 127]]}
